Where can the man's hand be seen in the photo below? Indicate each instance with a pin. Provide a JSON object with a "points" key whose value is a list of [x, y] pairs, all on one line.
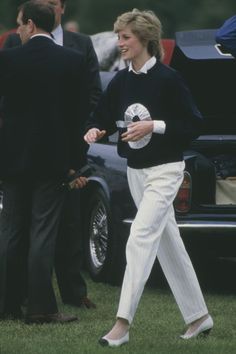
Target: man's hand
{"points": [[137, 131], [79, 182], [93, 135]]}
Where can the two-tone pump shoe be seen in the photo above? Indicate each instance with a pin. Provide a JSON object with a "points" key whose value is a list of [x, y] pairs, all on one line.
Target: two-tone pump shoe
{"points": [[104, 341], [202, 330]]}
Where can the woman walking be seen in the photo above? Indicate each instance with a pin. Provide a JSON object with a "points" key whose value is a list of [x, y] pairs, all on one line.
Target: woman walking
{"points": [[153, 102]]}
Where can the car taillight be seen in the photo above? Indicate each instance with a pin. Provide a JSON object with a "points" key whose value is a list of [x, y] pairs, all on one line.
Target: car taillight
{"points": [[182, 201]]}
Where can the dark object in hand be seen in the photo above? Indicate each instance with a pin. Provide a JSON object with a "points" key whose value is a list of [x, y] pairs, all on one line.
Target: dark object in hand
{"points": [[85, 171]]}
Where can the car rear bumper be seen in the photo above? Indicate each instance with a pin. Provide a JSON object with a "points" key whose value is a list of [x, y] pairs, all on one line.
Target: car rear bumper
{"points": [[207, 225], [200, 224]]}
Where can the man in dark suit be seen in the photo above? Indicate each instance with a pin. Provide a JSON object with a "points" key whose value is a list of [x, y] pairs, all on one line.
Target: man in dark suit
{"points": [[76, 41], [70, 253], [44, 105]]}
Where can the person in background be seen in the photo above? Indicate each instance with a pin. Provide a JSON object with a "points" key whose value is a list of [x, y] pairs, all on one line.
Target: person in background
{"points": [[70, 253], [4, 36], [41, 141], [71, 26], [154, 103], [226, 35]]}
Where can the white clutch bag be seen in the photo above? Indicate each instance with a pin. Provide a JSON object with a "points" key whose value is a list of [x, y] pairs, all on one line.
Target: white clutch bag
{"points": [[134, 113]]}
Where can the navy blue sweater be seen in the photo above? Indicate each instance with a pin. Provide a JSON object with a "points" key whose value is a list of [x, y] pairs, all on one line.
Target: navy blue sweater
{"points": [[163, 92]]}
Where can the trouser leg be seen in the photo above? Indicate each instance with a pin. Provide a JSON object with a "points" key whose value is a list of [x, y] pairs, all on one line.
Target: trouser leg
{"points": [[13, 244], [47, 197], [69, 251], [153, 191], [179, 272]]}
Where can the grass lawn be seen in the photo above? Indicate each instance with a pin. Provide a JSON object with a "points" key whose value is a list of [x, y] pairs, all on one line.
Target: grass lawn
{"points": [[156, 327]]}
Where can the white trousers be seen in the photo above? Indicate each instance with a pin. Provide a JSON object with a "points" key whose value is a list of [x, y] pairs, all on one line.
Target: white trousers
{"points": [[154, 232]]}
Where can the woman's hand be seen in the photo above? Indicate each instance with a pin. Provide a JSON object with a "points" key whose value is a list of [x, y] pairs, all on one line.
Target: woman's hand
{"points": [[137, 130], [93, 135]]}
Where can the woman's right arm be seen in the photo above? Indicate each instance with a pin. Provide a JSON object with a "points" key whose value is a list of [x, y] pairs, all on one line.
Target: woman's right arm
{"points": [[94, 135], [102, 121]]}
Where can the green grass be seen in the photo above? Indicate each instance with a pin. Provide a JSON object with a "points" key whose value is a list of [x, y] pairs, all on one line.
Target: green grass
{"points": [[156, 327]]}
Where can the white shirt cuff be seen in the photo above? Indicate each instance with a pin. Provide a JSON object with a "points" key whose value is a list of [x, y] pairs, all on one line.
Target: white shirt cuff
{"points": [[159, 126]]}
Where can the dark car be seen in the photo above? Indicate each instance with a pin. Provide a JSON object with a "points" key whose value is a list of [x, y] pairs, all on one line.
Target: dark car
{"points": [[206, 203]]}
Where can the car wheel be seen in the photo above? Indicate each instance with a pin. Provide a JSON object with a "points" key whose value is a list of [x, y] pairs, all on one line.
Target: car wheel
{"points": [[101, 243]]}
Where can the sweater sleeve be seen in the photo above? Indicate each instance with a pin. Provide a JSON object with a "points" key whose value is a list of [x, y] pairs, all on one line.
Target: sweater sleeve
{"points": [[226, 35], [187, 121], [103, 116]]}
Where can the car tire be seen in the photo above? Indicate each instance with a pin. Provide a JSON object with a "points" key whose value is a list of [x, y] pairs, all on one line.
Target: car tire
{"points": [[100, 240]]}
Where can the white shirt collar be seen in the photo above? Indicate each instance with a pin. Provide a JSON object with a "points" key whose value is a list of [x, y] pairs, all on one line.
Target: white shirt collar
{"points": [[58, 35], [144, 69], [41, 35]]}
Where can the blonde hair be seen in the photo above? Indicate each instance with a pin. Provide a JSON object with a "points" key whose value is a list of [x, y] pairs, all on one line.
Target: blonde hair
{"points": [[146, 26]]}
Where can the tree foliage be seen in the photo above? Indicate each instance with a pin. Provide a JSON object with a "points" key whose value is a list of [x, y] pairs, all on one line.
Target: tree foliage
{"points": [[99, 15]]}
